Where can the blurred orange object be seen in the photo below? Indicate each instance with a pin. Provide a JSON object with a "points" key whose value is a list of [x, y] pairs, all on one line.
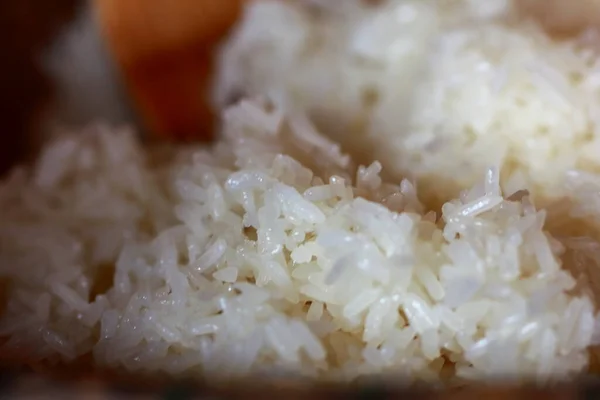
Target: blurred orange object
{"points": [[165, 49]]}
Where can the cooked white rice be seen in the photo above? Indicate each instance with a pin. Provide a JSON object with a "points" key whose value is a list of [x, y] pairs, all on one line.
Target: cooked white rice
{"points": [[435, 90], [264, 254]]}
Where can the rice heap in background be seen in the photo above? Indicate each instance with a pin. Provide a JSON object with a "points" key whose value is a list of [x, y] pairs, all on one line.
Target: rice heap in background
{"points": [[266, 254], [436, 90]]}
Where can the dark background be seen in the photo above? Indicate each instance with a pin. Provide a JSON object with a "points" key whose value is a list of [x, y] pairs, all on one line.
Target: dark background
{"points": [[26, 27]]}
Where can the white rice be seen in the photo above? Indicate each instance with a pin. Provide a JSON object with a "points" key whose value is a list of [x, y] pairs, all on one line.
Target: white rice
{"points": [[260, 255]]}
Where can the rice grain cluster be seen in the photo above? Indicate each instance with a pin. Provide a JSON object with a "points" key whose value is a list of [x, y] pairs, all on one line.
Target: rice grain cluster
{"points": [[268, 253]]}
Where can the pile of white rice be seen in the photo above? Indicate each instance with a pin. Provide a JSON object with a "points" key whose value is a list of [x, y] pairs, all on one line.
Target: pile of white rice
{"points": [[264, 254], [436, 90]]}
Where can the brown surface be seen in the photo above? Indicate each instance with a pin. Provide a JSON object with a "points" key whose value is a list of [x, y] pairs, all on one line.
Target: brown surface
{"points": [[165, 49], [563, 17], [26, 26], [35, 386]]}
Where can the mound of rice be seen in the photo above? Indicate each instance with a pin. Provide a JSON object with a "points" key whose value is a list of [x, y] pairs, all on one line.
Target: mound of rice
{"points": [[264, 254], [436, 90]]}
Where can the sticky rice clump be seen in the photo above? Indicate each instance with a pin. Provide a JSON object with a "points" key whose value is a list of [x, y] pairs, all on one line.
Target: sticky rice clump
{"points": [[264, 254]]}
